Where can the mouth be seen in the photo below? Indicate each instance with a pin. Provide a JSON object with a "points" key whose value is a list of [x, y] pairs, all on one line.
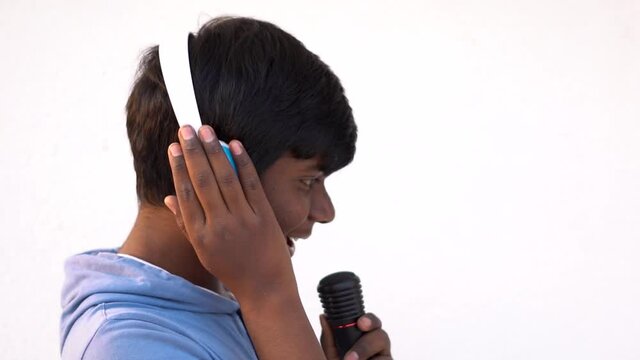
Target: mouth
{"points": [[291, 241], [292, 245]]}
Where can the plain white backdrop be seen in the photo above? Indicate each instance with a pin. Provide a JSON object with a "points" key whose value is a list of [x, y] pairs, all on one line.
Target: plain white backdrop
{"points": [[492, 210]]}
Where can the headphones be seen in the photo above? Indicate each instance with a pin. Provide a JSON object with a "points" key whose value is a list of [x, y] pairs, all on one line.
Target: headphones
{"points": [[176, 70]]}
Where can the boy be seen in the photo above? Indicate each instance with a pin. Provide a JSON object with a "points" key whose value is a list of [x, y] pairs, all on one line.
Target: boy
{"points": [[208, 274]]}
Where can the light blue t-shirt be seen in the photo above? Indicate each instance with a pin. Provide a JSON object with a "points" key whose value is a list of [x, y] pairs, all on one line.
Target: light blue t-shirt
{"points": [[120, 307]]}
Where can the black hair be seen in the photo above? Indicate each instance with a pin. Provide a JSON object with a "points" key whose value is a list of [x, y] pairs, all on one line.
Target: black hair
{"points": [[253, 82]]}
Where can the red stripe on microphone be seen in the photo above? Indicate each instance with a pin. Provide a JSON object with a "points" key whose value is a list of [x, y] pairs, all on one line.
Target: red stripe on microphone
{"points": [[346, 326]]}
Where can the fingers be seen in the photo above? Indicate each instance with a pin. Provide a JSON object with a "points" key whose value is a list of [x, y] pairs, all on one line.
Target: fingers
{"points": [[200, 172], [172, 204], [326, 339], [187, 200], [227, 180], [206, 183], [249, 178], [373, 344], [370, 344], [374, 341], [369, 322]]}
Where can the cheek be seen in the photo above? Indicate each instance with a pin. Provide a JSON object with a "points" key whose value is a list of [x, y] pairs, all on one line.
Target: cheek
{"points": [[290, 211]]}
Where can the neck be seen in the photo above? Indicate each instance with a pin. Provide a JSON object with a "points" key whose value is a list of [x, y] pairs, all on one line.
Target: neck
{"points": [[157, 239]]}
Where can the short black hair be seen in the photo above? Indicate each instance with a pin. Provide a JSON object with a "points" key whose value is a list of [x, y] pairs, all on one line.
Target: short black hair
{"points": [[253, 82]]}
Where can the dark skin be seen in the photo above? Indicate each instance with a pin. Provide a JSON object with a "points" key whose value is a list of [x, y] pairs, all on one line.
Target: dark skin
{"points": [[234, 230]]}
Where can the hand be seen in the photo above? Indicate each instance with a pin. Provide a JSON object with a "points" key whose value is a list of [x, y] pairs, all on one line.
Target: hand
{"points": [[374, 343], [227, 218]]}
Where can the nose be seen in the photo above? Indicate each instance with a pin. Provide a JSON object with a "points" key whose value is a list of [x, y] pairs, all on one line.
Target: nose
{"points": [[322, 210]]}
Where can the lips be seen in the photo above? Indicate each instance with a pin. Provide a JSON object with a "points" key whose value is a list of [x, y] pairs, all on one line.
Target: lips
{"points": [[291, 240], [292, 246]]}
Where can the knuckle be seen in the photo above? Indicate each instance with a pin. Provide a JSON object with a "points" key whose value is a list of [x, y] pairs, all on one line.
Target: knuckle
{"points": [[243, 161], [192, 143], [179, 165], [372, 316], [202, 180], [214, 148], [362, 348], [385, 337], [251, 223], [227, 179], [375, 321], [199, 237], [220, 231], [252, 183], [191, 147], [186, 192], [220, 234], [373, 342]]}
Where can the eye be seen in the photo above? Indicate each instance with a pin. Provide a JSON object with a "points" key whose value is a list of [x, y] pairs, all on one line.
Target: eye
{"points": [[308, 182]]}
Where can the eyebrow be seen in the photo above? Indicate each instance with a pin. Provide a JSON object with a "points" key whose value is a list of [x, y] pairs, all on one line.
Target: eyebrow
{"points": [[312, 165]]}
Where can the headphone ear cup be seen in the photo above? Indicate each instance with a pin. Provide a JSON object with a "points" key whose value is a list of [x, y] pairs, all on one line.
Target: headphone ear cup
{"points": [[227, 151]]}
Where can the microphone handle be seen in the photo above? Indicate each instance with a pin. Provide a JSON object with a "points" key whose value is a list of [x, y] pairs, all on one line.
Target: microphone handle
{"points": [[345, 334], [341, 297]]}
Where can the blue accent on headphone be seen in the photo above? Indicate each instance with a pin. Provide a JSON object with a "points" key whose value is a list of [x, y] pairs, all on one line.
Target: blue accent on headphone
{"points": [[227, 152]]}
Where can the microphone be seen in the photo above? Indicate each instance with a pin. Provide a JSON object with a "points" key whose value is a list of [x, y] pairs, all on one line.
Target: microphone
{"points": [[341, 297]]}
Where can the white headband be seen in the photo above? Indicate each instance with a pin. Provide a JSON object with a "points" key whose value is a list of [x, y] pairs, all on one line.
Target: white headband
{"points": [[176, 71], [174, 61]]}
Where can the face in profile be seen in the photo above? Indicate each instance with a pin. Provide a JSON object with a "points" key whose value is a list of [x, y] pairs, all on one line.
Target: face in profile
{"points": [[296, 190]]}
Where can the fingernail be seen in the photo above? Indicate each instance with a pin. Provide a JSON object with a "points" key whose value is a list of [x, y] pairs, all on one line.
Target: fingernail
{"points": [[206, 133], [175, 150], [352, 355], [236, 148], [187, 132]]}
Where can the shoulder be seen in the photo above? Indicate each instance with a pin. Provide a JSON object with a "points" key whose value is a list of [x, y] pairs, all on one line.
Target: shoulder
{"points": [[137, 331], [122, 338]]}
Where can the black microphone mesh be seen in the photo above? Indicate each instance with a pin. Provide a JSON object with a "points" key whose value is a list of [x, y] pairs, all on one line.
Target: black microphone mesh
{"points": [[341, 296]]}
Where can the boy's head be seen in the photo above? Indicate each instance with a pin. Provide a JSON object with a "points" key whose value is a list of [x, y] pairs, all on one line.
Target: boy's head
{"points": [[253, 82]]}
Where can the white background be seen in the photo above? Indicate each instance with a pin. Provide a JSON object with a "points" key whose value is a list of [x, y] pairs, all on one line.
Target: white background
{"points": [[492, 210]]}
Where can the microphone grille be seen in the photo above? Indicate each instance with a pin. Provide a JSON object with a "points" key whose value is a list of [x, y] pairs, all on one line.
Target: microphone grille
{"points": [[341, 296]]}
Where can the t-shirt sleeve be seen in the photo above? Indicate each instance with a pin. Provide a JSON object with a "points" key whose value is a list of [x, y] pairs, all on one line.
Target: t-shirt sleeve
{"points": [[138, 339]]}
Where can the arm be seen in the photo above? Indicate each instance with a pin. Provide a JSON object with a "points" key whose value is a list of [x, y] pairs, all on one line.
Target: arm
{"points": [[279, 327], [231, 225]]}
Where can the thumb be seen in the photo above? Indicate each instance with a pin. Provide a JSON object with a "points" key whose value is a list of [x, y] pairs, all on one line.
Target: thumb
{"points": [[326, 340], [171, 202]]}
